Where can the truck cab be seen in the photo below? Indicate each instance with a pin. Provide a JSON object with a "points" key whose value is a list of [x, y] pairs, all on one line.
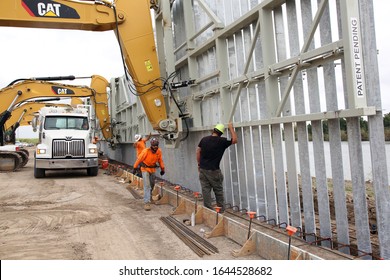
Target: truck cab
{"points": [[65, 141]]}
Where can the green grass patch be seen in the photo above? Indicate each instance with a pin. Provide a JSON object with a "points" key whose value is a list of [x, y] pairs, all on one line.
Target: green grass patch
{"points": [[29, 140]]}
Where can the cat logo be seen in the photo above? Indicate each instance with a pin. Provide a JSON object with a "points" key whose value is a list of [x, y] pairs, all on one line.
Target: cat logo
{"points": [[48, 8], [62, 90]]}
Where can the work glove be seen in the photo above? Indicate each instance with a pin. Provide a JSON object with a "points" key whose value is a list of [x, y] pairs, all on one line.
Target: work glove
{"points": [[135, 171], [162, 172]]}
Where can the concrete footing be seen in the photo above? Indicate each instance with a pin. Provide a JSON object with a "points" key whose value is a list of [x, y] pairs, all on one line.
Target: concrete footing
{"points": [[263, 240]]}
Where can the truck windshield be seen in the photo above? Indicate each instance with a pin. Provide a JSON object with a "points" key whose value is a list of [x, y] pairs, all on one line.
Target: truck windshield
{"points": [[66, 122]]}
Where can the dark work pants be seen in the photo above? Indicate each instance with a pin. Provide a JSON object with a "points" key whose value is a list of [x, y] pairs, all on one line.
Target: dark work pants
{"points": [[211, 180]]}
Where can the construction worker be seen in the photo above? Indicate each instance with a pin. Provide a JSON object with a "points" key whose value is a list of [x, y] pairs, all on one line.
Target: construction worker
{"points": [[140, 145], [209, 154], [148, 160]]}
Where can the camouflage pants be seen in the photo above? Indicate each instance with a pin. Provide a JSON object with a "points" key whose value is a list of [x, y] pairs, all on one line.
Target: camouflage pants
{"points": [[211, 180]]}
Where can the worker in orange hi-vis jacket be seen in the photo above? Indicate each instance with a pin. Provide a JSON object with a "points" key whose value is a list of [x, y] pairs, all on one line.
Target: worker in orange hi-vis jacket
{"points": [[140, 143], [147, 161]]}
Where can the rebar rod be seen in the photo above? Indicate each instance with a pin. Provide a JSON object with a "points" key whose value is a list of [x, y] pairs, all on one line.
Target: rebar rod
{"points": [[192, 234], [182, 237]]}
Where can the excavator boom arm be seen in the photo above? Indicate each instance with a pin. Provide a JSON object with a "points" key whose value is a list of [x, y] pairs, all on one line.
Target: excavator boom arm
{"points": [[59, 14]]}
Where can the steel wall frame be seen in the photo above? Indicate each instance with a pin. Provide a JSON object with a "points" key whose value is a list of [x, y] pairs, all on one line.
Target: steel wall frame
{"points": [[273, 67]]}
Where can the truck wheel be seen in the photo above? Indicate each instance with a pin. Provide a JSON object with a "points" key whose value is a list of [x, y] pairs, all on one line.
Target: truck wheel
{"points": [[93, 171], [38, 172]]}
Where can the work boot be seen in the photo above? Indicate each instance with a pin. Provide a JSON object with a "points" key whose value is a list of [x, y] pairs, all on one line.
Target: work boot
{"points": [[147, 207]]}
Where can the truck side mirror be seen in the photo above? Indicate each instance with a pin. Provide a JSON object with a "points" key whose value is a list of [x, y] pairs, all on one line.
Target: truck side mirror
{"points": [[34, 122]]}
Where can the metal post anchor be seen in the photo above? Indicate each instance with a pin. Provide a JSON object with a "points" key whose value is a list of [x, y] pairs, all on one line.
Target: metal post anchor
{"points": [[177, 188], [290, 231], [217, 209], [251, 216], [196, 194]]}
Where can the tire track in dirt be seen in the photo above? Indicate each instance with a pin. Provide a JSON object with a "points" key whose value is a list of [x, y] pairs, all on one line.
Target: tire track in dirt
{"points": [[36, 233]]}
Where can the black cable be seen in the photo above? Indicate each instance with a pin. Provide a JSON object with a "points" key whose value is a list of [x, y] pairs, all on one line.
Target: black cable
{"points": [[57, 78], [181, 112]]}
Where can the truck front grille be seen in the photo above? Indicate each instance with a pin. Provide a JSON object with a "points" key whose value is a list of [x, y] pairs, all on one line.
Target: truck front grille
{"points": [[64, 149]]}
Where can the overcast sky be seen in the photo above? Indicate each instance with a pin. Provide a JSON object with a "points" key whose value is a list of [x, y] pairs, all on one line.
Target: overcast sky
{"points": [[26, 53]]}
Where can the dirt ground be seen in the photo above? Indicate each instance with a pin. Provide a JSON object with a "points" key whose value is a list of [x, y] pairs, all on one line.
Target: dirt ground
{"points": [[71, 216]]}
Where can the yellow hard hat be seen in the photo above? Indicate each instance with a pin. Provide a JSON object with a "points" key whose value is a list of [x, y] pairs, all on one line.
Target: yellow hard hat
{"points": [[220, 127]]}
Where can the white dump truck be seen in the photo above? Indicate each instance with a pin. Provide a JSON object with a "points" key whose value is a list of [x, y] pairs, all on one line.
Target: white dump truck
{"points": [[65, 141]]}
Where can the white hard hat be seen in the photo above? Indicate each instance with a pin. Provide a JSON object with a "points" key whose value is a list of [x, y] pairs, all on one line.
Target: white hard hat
{"points": [[137, 137]]}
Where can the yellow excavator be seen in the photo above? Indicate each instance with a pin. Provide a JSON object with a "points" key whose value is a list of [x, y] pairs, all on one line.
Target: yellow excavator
{"points": [[22, 91], [24, 113], [34, 89], [131, 21]]}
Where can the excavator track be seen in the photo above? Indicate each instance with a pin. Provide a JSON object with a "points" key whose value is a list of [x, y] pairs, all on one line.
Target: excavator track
{"points": [[25, 150], [24, 154], [10, 161]]}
